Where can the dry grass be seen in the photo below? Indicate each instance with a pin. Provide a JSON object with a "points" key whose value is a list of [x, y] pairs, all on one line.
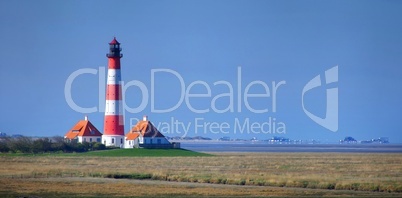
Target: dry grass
{"points": [[346, 171], [101, 187]]}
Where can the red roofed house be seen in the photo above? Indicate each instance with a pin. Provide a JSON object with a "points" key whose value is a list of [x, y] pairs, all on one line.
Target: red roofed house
{"points": [[84, 131], [145, 134]]}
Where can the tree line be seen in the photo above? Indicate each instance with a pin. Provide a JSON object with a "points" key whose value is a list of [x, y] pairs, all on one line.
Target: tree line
{"points": [[45, 145]]}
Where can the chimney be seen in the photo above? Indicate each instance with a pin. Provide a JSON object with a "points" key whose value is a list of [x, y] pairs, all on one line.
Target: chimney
{"points": [[145, 118], [86, 117]]}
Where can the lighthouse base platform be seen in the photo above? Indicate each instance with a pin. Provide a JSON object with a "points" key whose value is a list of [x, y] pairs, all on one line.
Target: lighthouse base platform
{"points": [[113, 140]]}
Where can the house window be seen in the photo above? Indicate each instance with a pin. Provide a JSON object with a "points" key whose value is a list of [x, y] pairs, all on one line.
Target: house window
{"points": [[121, 141], [99, 140], [112, 140], [150, 141], [159, 141]]}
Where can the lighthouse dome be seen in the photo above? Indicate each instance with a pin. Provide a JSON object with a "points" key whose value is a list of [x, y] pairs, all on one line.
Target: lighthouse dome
{"points": [[114, 41]]}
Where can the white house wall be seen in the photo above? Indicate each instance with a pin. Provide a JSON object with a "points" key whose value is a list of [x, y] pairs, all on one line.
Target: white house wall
{"points": [[141, 140], [107, 140], [113, 140], [131, 143], [82, 139]]}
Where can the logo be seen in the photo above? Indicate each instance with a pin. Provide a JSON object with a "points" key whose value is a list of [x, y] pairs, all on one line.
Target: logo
{"points": [[331, 116], [235, 97]]}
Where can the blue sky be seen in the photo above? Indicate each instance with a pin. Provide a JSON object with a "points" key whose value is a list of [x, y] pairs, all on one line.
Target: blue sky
{"points": [[44, 42]]}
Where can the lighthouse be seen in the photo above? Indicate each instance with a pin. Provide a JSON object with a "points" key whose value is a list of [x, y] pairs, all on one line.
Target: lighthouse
{"points": [[113, 134]]}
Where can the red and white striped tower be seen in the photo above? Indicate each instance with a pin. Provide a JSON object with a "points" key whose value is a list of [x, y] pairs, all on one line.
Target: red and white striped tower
{"points": [[114, 121]]}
